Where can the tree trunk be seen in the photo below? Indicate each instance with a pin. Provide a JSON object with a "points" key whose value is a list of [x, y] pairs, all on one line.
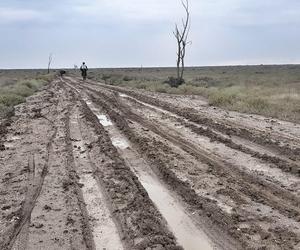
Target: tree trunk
{"points": [[181, 36], [178, 61]]}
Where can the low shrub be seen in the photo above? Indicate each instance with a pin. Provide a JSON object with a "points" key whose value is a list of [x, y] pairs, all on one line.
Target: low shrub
{"points": [[204, 82], [220, 99], [257, 103], [105, 77], [162, 88], [6, 110], [45, 78], [9, 82], [127, 79], [188, 89], [14, 94], [11, 99], [141, 86], [174, 82], [22, 90]]}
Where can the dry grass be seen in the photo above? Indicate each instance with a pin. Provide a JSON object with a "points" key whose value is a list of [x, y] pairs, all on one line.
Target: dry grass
{"points": [[272, 91], [15, 87]]}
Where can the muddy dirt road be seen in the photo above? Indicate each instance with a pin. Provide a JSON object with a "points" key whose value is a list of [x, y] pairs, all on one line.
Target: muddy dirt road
{"points": [[85, 165]]}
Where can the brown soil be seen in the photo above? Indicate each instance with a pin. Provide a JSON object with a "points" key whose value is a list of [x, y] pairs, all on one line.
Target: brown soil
{"points": [[67, 184]]}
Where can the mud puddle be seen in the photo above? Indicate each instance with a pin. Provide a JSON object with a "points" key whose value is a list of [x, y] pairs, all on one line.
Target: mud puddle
{"points": [[183, 227], [104, 230], [187, 232], [120, 143], [103, 119]]}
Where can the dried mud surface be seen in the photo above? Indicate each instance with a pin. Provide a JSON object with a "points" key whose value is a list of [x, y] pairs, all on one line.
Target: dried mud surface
{"points": [[66, 183]]}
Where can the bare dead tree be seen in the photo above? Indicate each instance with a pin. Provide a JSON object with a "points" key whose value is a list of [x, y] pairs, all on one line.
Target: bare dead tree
{"points": [[49, 62], [181, 35]]}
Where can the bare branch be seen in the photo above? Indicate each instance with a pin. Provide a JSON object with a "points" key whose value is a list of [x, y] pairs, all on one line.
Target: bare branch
{"points": [[181, 36], [49, 62], [187, 20]]}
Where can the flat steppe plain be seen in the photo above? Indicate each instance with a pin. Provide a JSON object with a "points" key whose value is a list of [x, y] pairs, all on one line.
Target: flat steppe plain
{"points": [[93, 165]]}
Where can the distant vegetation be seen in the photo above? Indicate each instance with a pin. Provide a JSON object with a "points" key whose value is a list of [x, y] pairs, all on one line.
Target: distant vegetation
{"points": [[267, 90], [14, 90], [272, 91]]}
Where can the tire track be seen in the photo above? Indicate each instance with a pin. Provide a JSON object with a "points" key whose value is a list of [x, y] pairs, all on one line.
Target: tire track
{"points": [[22, 238], [258, 190], [278, 159], [32, 195], [256, 135], [138, 219], [270, 193], [104, 233]]}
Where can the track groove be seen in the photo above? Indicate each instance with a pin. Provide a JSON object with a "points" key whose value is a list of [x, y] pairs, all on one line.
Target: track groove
{"points": [[277, 197], [139, 221], [138, 155], [230, 128], [31, 197], [259, 190]]}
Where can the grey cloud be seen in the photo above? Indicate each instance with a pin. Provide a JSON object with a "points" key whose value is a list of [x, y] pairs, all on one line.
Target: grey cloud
{"points": [[133, 32]]}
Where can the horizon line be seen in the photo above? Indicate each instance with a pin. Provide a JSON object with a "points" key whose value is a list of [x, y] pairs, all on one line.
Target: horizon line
{"points": [[167, 67]]}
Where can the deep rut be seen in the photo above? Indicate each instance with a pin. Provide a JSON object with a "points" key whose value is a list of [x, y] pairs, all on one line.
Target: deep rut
{"points": [[104, 231], [279, 142], [272, 194], [184, 228], [247, 188], [89, 166]]}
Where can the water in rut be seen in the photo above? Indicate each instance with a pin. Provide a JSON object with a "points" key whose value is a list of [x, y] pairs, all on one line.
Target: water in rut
{"points": [[188, 234]]}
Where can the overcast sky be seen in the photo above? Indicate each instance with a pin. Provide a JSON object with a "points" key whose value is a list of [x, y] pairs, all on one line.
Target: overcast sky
{"points": [[126, 33]]}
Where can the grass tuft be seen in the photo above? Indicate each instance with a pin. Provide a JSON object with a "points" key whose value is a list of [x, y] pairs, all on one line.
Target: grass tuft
{"points": [[15, 92]]}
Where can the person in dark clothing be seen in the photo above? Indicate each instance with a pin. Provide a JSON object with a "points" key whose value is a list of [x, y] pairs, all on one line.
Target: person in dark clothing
{"points": [[84, 70], [62, 73]]}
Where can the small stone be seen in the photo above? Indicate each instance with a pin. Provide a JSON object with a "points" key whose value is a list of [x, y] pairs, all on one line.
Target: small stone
{"points": [[265, 235], [6, 208], [48, 208], [38, 225]]}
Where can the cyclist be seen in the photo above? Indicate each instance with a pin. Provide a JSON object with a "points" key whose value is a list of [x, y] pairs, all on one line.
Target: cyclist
{"points": [[84, 70]]}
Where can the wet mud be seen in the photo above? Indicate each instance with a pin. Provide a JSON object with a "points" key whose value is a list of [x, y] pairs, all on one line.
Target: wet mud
{"points": [[121, 116], [83, 163]]}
